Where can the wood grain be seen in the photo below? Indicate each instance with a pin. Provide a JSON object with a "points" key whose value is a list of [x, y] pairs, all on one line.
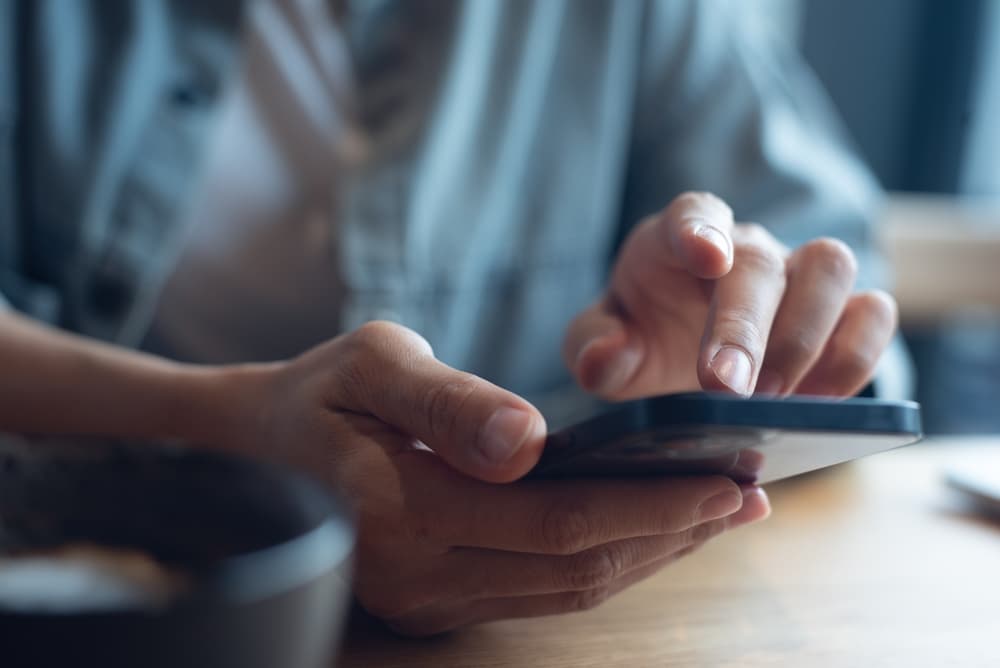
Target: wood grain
{"points": [[874, 563]]}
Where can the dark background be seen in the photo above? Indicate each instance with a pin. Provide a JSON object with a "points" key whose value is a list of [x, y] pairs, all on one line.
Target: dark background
{"points": [[905, 76]]}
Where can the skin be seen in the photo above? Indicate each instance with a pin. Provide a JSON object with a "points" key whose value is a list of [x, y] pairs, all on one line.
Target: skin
{"points": [[431, 455]]}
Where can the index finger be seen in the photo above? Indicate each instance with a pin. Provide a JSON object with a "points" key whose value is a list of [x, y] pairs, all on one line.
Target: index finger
{"points": [[743, 308], [696, 229], [569, 516]]}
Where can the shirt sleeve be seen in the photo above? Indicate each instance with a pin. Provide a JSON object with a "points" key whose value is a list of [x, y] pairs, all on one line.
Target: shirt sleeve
{"points": [[725, 105]]}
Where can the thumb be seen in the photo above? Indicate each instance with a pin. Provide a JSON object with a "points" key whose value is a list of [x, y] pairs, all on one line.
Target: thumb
{"points": [[477, 427], [598, 351]]}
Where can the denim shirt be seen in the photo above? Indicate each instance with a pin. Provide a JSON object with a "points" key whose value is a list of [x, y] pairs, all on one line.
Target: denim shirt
{"points": [[511, 146]]}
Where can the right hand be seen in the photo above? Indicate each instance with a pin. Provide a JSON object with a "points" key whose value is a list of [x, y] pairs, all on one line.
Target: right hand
{"points": [[419, 448]]}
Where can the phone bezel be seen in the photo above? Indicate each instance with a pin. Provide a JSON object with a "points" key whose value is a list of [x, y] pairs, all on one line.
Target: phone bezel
{"points": [[728, 426]]}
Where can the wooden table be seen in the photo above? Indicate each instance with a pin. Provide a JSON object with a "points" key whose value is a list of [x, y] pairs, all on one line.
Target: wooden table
{"points": [[874, 563], [959, 237]]}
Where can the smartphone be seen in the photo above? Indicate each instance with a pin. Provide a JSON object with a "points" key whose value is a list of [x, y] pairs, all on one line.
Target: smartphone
{"points": [[754, 439]]}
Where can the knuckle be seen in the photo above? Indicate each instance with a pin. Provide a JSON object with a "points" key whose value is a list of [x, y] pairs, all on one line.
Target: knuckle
{"points": [[739, 326], [704, 532], [443, 404], [362, 354], [374, 333], [794, 347], [367, 344], [354, 380], [755, 233], [596, 568], [379, 338], [564, 528], [371, 355], [695, 199], [690, 198], [760, 255], [832, 257], [588, 599]]}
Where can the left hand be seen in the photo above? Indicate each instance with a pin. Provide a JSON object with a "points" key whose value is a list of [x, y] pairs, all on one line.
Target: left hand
{"points": [[697, 301], [418, 449]]}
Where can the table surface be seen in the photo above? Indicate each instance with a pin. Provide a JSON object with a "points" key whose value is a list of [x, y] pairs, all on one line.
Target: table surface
{"points": [[874, 563]]}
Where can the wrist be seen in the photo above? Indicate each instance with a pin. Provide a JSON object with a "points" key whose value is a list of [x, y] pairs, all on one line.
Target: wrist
{"points": [[218, 406]]}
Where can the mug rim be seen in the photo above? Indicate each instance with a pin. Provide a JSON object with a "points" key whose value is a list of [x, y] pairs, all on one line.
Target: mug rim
{"points": [[241, 578]]}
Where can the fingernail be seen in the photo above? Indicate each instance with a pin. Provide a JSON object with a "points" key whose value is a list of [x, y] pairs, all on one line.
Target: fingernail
{"points": [[713, 236], [720, 505], [504, 433], [769, 382], [732, 366]]}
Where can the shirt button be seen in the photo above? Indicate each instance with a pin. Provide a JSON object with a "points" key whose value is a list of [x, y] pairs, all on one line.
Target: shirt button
{"points": [[192, 94]]}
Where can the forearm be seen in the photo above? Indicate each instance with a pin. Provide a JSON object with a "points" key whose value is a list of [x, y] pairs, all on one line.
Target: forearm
{"points": [[53, 382]]}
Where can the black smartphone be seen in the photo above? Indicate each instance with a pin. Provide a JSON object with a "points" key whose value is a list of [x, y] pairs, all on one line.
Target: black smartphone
{"points": [[749, 439]]}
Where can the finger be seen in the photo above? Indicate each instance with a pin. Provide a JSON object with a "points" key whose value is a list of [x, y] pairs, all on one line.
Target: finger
{"points": [[480, 429], [694, 233], [852, 353], [569, 516], [476, 573], [820, 278], [569, 601], [743, 308], [492, 573], [446, 617], [442, 617], [598, 350]]}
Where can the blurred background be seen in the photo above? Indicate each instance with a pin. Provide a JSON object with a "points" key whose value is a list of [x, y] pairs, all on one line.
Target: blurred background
{"points": [[917, 83]]}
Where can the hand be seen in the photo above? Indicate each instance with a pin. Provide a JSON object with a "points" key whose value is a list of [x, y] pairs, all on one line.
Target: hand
{"points": [[418, 446], [698, 302]]}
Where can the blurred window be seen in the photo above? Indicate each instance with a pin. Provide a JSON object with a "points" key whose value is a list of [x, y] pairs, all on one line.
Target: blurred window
{"points": [[981, 166]]}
